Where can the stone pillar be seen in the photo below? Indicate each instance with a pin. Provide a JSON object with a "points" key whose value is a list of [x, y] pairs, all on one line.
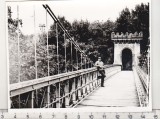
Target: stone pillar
{"points": [[133, 60], [117, 53], [137, 52]]}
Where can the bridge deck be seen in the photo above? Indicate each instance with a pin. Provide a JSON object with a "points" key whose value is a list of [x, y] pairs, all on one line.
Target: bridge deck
{"points": [[119, 91]]}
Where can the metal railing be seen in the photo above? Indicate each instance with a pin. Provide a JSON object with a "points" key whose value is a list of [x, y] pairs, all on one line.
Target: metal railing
{"points": [[63, 85], [142, 81], [70, 61], [60, 76], [59, 91]]}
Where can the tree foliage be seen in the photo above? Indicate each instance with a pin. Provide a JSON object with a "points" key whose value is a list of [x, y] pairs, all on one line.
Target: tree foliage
{"points": [[124, 21], [136, 20], [94, 38]]}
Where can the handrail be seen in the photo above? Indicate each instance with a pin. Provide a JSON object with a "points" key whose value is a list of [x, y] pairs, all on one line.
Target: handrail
{"points": [[26, 86], [41, 82], [62, 90], [144, 78], [142, 85]]}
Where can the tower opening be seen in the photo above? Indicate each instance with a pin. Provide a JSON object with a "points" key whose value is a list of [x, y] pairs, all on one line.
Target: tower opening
{"points": [[126, 59]]}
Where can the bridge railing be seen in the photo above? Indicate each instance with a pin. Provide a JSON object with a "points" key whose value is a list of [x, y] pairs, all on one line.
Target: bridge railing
{"points": [[58, 91], [59, 74], [142, 80]]}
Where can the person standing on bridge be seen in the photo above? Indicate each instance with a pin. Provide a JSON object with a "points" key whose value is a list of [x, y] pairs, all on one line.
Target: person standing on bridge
{"points": [[100, 67]]}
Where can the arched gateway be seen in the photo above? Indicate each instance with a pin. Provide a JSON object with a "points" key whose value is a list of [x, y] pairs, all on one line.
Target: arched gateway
{"points": [[126, 49]]}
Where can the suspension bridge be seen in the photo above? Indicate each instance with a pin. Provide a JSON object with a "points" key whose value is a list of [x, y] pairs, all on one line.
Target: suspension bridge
{"points": [[126, 83]]}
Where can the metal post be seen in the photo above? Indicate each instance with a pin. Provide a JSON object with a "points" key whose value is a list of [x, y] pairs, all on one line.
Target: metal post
{"points": [[84, 84], [58, 103], [47, 43], [19, 103], [85, 61], [48, 96], [65, 51], [71, 56], [32, 99], [57, 47], [81, 61], [88, 81], [19, 80], [77, 57], [67, 92], [35, 49], [73, 90], [59, 94], [92, 78], [95, 74], [79, 86]]}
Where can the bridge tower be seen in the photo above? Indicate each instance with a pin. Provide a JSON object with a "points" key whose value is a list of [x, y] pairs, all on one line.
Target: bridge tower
{"points": [[126, 49]]}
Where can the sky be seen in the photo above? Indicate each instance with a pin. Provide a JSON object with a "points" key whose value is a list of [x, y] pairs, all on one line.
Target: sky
{"points": [[91, 10]]}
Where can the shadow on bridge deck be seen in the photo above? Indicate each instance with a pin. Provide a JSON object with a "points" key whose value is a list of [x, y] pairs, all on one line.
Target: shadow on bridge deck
{"points": [[119, 91]]}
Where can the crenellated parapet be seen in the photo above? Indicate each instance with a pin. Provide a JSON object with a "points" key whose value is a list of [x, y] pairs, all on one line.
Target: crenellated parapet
{"points": [[127, 36]]}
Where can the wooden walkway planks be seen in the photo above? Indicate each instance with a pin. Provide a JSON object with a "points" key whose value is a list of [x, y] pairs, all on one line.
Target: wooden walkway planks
{"points": [[119, 91]]}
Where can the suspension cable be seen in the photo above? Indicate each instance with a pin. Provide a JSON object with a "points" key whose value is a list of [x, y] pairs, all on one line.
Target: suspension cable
{"points": [[62, 27]]}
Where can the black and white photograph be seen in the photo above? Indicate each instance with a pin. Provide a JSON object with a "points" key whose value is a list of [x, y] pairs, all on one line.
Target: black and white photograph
{"points": [[79, 54]]}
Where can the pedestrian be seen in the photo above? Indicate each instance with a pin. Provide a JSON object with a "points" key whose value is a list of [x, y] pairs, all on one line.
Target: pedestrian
{"points": [[100, 67]]}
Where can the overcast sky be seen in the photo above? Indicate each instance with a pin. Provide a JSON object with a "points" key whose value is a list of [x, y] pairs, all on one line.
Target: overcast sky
{"points": [[91, 10]]}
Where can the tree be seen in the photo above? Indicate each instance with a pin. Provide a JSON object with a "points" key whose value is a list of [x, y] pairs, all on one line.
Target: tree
{"points": [[140, 22], [13, 23], [108, 27], [124, 21], [96, 30], [80, 30]]}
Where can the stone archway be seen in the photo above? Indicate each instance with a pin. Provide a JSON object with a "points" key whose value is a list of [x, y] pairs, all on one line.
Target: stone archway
{"points": [[126, 41], [127, 59]]}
